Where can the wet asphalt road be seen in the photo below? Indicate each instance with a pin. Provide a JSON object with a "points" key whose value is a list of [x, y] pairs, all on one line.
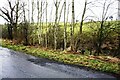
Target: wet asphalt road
{"points": [[19, 65]]}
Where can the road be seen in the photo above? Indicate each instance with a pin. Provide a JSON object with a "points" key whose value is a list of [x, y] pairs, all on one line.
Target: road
{"points": [[19, 65]]}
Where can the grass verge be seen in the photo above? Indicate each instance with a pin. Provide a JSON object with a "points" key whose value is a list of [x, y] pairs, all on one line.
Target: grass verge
{"points": [[100, 63]]}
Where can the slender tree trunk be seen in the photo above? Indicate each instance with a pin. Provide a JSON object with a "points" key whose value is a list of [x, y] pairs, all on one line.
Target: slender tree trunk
{"points": [[72, 27], [60, 13], [65, 27], [77, 44], [100, 34], [16, 20], [46, 38], [83, 15], [32, 17], [25, 27], [28, 11], [38, 20], [56, 25], [38, 11], [41, 11], [40, 26], [10, 35]]}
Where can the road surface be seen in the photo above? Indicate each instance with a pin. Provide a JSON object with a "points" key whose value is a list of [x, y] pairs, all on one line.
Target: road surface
{"points": [[19, 65]]}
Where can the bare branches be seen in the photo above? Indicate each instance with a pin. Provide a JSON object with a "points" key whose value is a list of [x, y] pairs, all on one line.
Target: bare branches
{"points": [[61, 13], [108, 8], [5, 18], [83, 15], [6, 14]]}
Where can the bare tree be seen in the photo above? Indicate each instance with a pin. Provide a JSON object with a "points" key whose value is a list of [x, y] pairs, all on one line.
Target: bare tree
{"points": [[56, 24], [83, 15], [40, 15], [60, 14], [32, 17], [103, 29], [72, 27], [28, 11], [46, 39], [11, 16], [38, 11], [65, 27], [25, 26], [38, 20], [78, 40]]}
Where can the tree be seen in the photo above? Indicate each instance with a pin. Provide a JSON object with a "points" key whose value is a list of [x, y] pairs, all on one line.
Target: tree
{"points": [[28, 11], [40, 29], [32, 17], [65, 27], [16, 19], [11, 16], [72, 28], [40, 24], [46, 38], [56, 24], [25, 26], [104, 29], [83, 15], [78, 40], [38, 20]]}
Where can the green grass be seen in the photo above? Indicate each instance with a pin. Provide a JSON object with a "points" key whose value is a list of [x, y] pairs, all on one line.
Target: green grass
{"points": [[75, 59]]}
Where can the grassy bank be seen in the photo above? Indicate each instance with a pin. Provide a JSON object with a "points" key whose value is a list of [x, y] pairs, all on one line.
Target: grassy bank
{"points": [[101, 63]]}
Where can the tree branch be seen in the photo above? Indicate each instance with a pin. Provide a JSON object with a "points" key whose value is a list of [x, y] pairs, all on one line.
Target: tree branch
{"points": [[4, 18]]}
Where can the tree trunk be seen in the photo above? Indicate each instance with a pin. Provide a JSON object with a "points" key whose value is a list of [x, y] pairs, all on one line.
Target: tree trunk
{"points": [[55, 27], [16, 21], [72, 27], [46, 39], [65, 27], [10, 35], [25, 27], [41, 11], [38, 20], [40, 23], [83, 15], [32, 17], [28, 11], [100, 40]]}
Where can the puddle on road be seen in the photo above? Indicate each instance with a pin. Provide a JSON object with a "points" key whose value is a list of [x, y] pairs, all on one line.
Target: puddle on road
{"points": [[68, 69], [58, 67], [41, 62]]}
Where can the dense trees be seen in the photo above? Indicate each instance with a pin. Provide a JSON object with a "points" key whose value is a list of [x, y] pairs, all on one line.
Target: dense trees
{"points": [[53, 32]]}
